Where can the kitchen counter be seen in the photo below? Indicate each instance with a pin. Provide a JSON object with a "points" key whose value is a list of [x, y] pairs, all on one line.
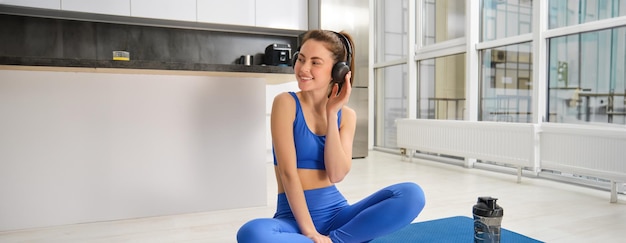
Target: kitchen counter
{"points": [[204, 70], [139, 64], [123, 143]]}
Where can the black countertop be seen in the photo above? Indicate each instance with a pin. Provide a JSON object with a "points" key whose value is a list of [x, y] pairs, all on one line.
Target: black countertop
{"points": [[139, 64]]}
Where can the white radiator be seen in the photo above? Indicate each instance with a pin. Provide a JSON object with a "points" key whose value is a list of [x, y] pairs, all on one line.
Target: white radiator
{"points": [[584, 150], [509, 143], [588, 150]]}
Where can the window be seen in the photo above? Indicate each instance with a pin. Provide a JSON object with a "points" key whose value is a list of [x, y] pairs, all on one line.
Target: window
{"points": [[443, 20], [442, 88], [506, 87], [500, 69], [392, 36], [391, 99], [505, 18], [390, 75], [586, 77], [573, 12]]}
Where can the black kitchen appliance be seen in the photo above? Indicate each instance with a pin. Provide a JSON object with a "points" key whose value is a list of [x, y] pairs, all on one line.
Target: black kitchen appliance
{"points": [[277, 55]]}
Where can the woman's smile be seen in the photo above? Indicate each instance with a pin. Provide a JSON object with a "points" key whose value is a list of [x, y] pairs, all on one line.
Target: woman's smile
{"points": [[306, 78]]}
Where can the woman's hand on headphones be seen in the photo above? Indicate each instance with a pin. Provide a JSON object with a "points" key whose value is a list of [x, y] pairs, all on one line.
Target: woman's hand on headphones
{"points": [[338, 98]]}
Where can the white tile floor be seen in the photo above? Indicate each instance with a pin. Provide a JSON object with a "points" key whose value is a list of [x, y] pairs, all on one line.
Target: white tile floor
{"points": [[546, 210]]}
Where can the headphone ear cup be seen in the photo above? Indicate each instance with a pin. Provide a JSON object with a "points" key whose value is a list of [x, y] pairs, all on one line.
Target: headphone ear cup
{"points": [[294, 59], [340, 70]]}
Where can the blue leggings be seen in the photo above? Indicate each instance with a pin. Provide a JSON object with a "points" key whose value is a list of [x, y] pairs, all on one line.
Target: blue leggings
{"points": [[379, 214]]}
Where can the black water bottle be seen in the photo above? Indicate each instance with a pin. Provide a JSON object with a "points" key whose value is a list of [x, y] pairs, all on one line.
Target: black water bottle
{"points": [[487, 220]]}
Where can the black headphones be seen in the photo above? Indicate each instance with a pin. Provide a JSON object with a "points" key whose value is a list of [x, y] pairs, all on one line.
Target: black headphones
{"points": [[341, 68]]}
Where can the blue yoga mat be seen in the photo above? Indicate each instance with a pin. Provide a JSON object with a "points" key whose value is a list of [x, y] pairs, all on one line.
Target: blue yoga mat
{"points": [[452, 229]]}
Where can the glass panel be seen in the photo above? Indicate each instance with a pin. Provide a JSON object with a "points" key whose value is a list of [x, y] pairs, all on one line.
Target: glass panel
{"points": [[505, 18], [586, 77], [443, 20], [507, 84], [391, 103], [572, 12], [391, 36], [442, 88]]}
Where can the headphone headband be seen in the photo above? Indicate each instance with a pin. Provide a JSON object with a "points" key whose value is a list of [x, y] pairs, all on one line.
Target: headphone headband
{"points": [[341, 67], [346, 44]]}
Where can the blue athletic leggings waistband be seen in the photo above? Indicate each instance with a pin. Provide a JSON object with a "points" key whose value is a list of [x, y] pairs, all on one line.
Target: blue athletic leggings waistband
{"points": [[321, 202]]}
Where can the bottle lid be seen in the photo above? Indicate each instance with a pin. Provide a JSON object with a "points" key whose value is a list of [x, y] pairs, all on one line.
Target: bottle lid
{"points": [[487, 207]]}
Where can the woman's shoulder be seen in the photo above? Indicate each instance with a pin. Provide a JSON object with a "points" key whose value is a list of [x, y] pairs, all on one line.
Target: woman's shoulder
{"points": [[348, 114], [346, 110], [285, 94], [284, 97], [283, 102]]}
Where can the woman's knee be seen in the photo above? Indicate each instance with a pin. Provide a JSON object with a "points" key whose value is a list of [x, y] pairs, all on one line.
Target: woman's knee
{"points": [[413, 194], [254, 230], [270, 230]]}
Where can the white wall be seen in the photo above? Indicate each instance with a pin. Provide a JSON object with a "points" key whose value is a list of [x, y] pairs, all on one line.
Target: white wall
{"points": [[82, 147]]}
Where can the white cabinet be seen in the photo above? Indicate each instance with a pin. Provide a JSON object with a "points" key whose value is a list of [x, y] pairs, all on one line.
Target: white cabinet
{"points": [[112, 7], [49, 4], [282, 14], [164, 9], [275, 14], [235, 12]]}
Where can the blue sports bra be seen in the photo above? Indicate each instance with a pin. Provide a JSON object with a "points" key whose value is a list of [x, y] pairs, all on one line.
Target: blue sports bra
{"points": [[309, 146]]}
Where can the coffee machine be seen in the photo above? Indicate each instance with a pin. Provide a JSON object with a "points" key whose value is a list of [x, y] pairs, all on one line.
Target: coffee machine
{"points": [[277, 55]]}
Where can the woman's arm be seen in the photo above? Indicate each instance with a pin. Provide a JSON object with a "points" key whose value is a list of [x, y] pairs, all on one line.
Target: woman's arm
{"points": [[283, 115], [339, 140]]}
